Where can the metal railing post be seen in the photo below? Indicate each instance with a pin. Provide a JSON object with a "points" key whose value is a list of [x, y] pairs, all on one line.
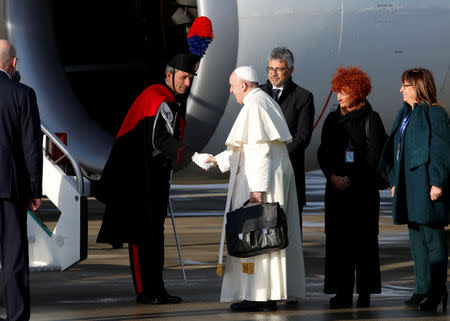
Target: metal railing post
{"points": [[65, 150]]}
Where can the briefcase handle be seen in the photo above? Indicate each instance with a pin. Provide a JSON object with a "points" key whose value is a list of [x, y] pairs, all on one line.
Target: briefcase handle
{"points": [[248, 201]]}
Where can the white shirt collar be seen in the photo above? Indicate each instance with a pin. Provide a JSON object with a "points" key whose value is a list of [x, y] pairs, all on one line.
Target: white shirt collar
{"points": [[6, 73], [250, 93]]}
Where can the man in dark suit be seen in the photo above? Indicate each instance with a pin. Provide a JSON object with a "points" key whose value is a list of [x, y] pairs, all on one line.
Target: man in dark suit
{"points": [[297, 105], [20, 181]]}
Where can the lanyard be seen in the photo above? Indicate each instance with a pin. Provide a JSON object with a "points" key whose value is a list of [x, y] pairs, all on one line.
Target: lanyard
{"points": [[402, 129], [405, 123]]}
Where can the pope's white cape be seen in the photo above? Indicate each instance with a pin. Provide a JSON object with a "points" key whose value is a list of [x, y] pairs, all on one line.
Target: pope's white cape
{"points": [[258, 161], [260, 120]]}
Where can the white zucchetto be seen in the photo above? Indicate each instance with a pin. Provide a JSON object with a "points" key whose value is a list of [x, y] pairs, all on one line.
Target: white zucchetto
{"points": [[247, 73]]}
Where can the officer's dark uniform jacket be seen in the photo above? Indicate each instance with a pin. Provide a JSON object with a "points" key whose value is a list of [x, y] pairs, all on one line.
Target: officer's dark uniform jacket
{"points": [[135, 181]]}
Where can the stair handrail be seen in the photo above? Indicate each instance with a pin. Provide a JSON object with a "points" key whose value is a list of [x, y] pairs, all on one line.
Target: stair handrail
{"points": [[65, 150]]}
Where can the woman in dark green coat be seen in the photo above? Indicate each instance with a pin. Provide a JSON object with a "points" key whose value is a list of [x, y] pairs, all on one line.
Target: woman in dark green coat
{"points": [[417, 160]]}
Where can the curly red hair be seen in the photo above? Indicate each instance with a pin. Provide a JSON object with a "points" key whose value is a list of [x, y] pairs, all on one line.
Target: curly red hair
{"points": [[352, 81]]}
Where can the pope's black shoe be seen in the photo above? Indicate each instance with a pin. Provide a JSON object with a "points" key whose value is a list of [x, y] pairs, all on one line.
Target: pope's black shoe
{"points": [[162, 298], [253, 306]]}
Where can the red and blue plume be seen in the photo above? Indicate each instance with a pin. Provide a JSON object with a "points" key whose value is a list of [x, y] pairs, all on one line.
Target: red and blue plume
{"points": [[200, 36]]}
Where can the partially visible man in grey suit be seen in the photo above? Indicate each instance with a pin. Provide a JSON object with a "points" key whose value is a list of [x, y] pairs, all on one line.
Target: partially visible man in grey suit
{"points": [[20, 181], [297, 105]]}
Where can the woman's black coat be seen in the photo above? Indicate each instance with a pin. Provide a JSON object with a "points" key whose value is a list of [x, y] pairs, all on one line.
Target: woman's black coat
{"points": [[356, 209]]}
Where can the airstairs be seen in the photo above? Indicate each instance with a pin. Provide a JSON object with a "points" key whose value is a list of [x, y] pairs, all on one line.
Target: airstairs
{"points": [[66, 245]]}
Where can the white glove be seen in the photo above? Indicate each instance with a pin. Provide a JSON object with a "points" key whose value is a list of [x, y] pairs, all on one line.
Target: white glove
{"points": [[200, 160]]}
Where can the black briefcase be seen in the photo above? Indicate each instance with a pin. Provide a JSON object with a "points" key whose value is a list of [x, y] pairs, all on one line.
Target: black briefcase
{"points": [[256, 230]]}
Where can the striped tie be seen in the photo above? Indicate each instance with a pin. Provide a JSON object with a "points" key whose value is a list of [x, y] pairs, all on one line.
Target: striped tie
{"points": [[275, 93]]}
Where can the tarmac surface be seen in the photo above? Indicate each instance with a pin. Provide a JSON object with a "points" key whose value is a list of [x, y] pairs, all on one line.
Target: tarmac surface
{"points": [[100, 288]]}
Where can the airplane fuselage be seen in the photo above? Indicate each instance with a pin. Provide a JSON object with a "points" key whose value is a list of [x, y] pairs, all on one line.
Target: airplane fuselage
{"points": [[79, 96]]}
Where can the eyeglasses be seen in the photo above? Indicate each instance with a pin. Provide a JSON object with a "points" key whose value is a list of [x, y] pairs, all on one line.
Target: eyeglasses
{"points": [[277, 70], [406, 85]]}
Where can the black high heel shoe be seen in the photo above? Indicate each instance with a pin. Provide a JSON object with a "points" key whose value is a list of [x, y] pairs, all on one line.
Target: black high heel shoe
{"points": [[340, 301], [363, 301], [432, 303], [415, 300]]}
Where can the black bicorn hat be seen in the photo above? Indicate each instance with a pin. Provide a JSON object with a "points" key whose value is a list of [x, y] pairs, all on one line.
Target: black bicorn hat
{"points": [[185, 62]]}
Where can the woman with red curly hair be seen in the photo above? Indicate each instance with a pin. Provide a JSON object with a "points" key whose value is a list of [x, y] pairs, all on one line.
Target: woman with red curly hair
{"points": [[352, 140]]}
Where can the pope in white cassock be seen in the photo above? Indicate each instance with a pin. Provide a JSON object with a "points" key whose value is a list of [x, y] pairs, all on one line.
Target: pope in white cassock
{"points": [[260, 170]]}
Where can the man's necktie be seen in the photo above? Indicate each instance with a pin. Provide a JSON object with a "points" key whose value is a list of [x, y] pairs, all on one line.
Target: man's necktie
{"points": [[275, 93]]}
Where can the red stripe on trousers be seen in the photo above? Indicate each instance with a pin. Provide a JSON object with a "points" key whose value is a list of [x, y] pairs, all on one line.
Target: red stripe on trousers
{"points": [[137, 268]]}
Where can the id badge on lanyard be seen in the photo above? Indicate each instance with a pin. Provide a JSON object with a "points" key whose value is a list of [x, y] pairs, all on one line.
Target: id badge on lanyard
{"points": [[349, 155]]}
